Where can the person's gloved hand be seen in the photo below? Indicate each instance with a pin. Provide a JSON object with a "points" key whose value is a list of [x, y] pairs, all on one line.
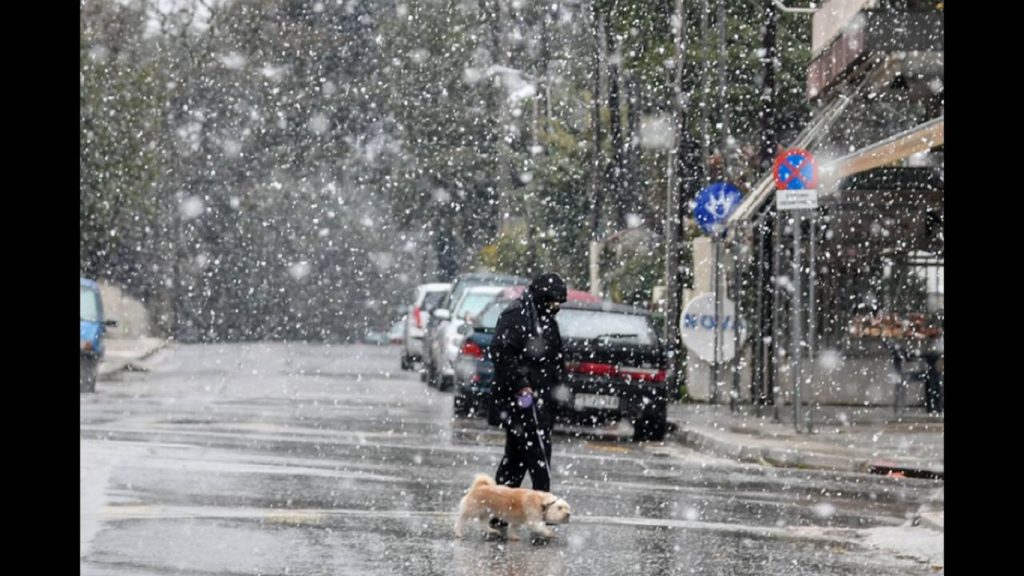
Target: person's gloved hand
{"points": [[525, 397]]}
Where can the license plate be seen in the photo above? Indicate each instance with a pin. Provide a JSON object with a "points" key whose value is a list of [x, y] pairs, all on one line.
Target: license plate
{"points": [[596, 401]]}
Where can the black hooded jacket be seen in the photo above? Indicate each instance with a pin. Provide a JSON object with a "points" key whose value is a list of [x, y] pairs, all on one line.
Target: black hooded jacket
{"points": [[527, 351]]}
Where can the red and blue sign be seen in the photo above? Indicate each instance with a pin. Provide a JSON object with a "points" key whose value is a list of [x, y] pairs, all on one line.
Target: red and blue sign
{"points": [[796, 169]]}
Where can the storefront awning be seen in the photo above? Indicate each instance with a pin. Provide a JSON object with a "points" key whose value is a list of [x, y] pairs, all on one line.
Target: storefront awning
{"points": [[920, 138]]}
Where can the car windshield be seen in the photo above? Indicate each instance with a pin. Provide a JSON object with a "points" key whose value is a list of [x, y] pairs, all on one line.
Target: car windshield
{"points": [[462, 287], [488, 319], [473, 303], [432, 299], [599, 324], [90, 311]]}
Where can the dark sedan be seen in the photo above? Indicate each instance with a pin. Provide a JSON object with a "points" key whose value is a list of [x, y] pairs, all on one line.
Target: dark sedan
{"points": [[616, 367]]}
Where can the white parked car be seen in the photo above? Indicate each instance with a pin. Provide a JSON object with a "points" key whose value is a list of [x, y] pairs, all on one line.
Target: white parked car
{"points": [[425, 299], [446, 348]]}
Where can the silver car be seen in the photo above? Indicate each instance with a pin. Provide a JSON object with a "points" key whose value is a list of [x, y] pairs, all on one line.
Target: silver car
{"points": [[446, 346], [425, 299]]}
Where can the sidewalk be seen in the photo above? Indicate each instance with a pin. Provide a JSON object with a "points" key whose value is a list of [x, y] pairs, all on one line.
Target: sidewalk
{"points": [[123, 353], [846, 438]]}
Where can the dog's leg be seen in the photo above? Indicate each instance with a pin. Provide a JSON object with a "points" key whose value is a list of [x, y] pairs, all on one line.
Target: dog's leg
{"points": [[540, 529], [513, 531], [460, 519], [458, 526], [489, 530]]}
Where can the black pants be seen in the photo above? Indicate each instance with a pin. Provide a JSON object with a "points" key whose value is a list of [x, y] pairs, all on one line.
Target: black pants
{"points": [[933, 392], [523, 454]]}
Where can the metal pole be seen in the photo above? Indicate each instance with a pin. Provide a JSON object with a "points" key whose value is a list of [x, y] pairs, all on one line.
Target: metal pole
{"points": [[812, 316], [716, 245], [796, 335], [812, 319], [774, 349], [737, 295]]}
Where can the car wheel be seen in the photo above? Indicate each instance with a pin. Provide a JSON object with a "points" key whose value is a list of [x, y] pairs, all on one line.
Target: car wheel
{"points": [[460, 405], [431, 375], [650, 427], [87, 375]]}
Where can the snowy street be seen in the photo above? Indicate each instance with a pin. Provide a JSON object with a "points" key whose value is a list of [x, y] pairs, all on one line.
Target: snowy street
{"points": [[311, 459]]}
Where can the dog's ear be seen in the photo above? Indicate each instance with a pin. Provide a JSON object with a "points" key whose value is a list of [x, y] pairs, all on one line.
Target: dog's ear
{"points": [[547, 502]]}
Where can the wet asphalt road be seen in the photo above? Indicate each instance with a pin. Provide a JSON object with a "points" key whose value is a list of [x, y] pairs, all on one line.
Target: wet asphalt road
{"points": [[309, 459]]}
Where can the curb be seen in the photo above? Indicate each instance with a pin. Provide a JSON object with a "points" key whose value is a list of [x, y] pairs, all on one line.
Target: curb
{"points": [[932, 520], [107, 369], [783, 458]]}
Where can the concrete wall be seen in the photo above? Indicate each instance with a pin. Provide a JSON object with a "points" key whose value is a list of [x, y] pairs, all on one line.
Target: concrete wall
{"points": [[132, 317]]}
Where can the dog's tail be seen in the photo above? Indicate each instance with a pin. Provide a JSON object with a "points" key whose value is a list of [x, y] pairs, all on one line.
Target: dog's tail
{"points": [[482, 480]]}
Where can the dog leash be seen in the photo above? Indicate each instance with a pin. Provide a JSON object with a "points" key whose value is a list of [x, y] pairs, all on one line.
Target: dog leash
{"points": [[540, 441]]}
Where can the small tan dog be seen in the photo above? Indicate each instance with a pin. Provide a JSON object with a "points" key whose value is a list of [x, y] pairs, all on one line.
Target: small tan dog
{"points": [[517, 506]]}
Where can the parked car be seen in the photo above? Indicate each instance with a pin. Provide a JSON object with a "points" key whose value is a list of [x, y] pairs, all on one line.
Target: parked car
{"points": [[92, 327], [396, 331], [425, 299], [473, 369], [467, 281], [450, 334], [385, 335], [440, 316], [616, 368], [513, 292]]}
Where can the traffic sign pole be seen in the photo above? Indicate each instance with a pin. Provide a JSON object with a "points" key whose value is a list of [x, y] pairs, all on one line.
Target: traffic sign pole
{"points": [[715, 261], [795, 318], [812, 316], [796, 180], [737, 297], [712, 206], [775, 351]]}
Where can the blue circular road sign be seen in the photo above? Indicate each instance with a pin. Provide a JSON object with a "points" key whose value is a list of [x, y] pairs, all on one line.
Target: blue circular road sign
{"points": [[714, 204]]}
